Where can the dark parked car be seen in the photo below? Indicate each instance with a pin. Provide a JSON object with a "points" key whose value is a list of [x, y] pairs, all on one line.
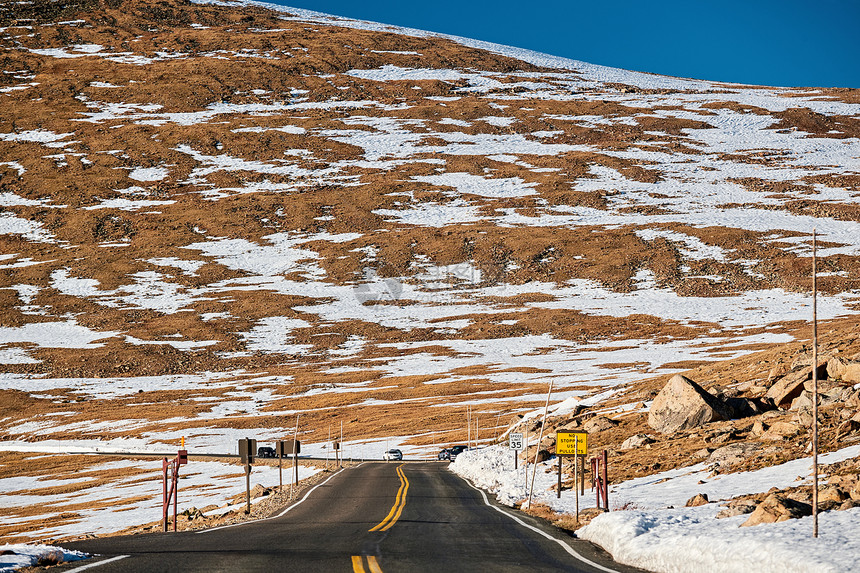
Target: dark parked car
{"points": [[454, 451], [265, 452]]}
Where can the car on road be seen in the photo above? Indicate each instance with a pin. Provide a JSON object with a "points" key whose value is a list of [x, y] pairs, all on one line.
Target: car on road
{"points": [[392, 455], [454, 451], [444, 455], [265, 452]]}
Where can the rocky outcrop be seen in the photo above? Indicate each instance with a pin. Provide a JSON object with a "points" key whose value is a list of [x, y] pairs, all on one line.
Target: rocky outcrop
{"points": [[697, 500], [636, 441], [732, 454], [845, 370], [599, 424], [788, 387], [737, 507], [776, 508], [682, 404]]}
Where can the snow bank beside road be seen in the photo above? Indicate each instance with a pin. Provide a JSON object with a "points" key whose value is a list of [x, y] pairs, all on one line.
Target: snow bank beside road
{"points": [[683, 539], [14, 557], [692, 540]]}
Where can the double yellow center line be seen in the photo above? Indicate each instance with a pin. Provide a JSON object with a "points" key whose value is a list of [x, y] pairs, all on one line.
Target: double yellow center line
{"points": [[372, 564], [399, 503], [384, 525]]}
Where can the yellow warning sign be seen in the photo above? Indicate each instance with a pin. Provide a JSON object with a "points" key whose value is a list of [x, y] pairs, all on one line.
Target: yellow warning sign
{"points": [[571, 443]]}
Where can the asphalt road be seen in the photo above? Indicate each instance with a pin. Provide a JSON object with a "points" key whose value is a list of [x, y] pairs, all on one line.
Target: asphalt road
{"points": [[374, 517]]}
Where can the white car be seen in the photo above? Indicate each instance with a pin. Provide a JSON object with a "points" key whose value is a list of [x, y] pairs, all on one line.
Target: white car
{"points": [[392, 455]]}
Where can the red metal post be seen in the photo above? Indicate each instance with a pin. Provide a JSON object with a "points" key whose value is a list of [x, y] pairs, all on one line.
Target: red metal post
{"points": [[605, 479], [175, 492]]}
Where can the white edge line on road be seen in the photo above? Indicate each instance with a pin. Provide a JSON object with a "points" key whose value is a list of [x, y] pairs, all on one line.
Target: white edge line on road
{"points": [[98, 563], [278, 515], [564, 545]]}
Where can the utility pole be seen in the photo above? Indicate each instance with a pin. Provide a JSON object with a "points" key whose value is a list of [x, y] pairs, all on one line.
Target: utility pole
{"points": [[814, 388]]}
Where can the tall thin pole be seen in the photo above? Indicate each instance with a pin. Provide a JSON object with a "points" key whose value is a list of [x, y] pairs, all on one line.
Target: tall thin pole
{"points": [[340, 463], [295, 456], [468, 427], [814, 387], [477, 439], [540, 437], [328, 445]]}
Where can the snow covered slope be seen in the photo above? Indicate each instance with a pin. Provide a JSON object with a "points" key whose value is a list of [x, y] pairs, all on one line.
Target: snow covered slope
{"points": [[214, 217]]}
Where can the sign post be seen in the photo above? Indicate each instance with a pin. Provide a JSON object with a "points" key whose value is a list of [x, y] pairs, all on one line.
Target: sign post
{"points": [[571, 443], [515, 442], [247, 448]]}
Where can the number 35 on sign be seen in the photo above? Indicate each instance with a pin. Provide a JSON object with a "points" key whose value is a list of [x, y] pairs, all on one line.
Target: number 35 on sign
{"points": [[516, 441]]}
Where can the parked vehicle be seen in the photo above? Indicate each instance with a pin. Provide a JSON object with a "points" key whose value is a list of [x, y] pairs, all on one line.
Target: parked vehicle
{"points": [[454, 451], [265, 452], [392, 455], [444, 455]]}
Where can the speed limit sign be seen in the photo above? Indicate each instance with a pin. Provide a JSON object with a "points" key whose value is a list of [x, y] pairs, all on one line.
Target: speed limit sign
{"points": [[516, 441]]}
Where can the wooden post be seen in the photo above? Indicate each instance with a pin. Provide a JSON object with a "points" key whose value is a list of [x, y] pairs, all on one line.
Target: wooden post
{"points": [[526, 458], [248, 487], [814, 389], [559, 475], [540, 437]]}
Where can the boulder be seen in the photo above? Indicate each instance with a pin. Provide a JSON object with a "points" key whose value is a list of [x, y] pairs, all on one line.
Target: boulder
{"points": [[739, 507], [697, 500], [852, 373], [788, 387], [835, 368], [832, 493], [802, 402], [682, 404], [732, 454], [845, 370], [599, 424], [636, 441], [776, 508], [779, 431]]}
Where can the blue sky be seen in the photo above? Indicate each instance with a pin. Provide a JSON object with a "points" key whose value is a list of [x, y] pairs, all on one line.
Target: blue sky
{"points": [[781, 43]]}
